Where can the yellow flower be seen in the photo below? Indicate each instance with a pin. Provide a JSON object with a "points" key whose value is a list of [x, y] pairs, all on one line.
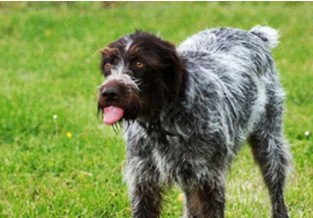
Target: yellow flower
{"points": [[47, 32], [180, 197], [69, 135]]}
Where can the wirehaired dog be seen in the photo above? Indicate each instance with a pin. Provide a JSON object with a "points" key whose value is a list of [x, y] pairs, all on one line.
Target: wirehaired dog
{"points": [[188, 110]]}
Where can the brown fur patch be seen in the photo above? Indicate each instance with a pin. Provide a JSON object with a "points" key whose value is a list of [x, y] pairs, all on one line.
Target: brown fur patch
{"points": [[107, 51]]}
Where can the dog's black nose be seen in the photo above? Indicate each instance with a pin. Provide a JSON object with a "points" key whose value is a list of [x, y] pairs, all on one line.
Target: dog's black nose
{"points": [[110, 93]]}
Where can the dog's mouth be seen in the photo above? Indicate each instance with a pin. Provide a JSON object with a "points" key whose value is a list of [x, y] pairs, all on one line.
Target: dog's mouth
{"points": [[112, 115]]}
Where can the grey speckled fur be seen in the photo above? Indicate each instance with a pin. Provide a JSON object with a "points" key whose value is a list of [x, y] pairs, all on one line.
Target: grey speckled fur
{"points": [[232, 94]]}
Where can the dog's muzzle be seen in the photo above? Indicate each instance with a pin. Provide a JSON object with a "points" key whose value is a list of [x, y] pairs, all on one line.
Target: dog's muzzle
{"points": [[108, 101]]}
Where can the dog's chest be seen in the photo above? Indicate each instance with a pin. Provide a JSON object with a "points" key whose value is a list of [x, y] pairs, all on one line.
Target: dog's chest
{"points": [[176, 161], [168, 158]]}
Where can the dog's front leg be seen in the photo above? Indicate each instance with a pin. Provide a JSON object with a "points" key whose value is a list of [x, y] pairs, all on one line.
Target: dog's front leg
{"points": [[146, 201], [143, 186], [205, 201]]}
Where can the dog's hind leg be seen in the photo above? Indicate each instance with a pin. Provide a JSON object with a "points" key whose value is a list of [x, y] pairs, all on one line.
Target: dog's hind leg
{"points": [[271, 153]]}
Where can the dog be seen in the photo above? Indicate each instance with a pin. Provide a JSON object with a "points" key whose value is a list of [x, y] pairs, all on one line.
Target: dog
{"points": [[187, 111]]}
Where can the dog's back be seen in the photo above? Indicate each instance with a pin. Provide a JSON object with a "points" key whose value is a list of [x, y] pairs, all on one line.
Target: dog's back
{"points": [[225, 40], [240, 67]]}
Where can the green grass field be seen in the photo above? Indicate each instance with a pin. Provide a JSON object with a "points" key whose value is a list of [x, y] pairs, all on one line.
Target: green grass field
{"points": [[70, 165]]}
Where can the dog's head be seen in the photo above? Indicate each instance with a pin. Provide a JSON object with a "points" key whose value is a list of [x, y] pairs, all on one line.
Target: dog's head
{"points": [[143, 74]]}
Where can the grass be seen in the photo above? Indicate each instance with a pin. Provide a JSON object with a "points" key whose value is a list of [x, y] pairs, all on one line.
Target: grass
{"points": [[72, 166]]}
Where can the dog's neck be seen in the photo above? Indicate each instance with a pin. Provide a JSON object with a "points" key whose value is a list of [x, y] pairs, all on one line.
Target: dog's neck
{"points": [[155, 127], [161, 126]]}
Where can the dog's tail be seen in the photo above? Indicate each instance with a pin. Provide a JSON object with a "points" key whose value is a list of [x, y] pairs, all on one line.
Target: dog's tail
{"points": [[267, 34]]}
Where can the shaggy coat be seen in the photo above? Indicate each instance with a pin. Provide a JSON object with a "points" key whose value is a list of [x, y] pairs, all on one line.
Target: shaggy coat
{"points": [[188, 110]]}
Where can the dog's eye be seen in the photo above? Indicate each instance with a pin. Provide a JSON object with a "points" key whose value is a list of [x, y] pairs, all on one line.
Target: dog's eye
{"points": [[108, 66], [139, 64]]}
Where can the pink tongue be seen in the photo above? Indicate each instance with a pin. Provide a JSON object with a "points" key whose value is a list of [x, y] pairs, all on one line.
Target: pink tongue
{"points": [[112, 115]]}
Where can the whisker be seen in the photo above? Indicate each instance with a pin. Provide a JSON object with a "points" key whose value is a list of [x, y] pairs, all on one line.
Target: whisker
{"points": [[114, 129]]}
